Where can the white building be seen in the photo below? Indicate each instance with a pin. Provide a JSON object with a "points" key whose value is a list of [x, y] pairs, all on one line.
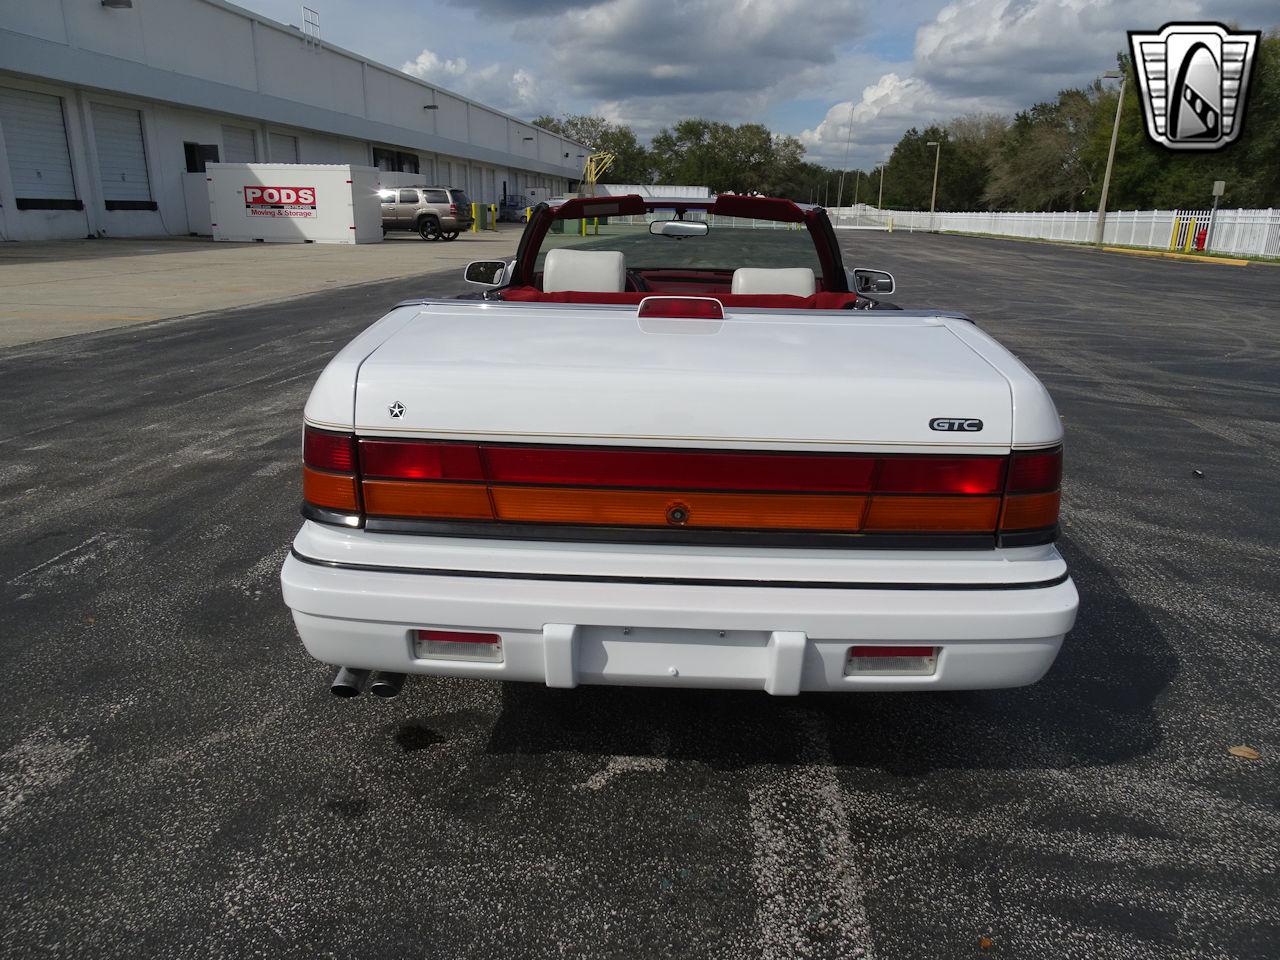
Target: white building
{"points": [[109, 110]]}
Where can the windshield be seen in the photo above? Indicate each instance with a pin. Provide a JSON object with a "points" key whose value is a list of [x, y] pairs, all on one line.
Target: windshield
{"points": [[730, 242]]}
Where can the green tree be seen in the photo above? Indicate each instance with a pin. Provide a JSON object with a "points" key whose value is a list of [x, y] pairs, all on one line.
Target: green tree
{"points": [[908, 182], [631, 160], [742, 159], [1148, 175], [1256, 155]]}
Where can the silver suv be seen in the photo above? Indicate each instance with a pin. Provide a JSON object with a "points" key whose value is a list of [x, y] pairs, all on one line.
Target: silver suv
{"points": [[434, 213]]}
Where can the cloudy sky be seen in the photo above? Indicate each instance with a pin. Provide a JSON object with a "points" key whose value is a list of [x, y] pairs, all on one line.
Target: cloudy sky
{"points": [[801, 66]]}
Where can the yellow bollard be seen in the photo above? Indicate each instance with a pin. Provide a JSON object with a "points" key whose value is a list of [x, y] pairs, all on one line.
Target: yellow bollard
{"points": [[595, 223], [1191, 235], [528, 214], [475, 220], [582, 227], [493, 216], [1173, 237], [891, 224]]}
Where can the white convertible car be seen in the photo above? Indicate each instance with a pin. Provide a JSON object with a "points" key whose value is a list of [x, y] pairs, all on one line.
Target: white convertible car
{"points": [[678, 443]]}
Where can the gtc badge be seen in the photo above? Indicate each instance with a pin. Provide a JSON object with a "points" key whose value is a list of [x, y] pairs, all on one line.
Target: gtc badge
{"points": [[396, 410], [1194, 78], [956, 424]]}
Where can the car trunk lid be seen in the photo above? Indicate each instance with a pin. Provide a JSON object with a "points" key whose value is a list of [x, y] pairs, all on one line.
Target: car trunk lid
{"points": [[757, 380]]}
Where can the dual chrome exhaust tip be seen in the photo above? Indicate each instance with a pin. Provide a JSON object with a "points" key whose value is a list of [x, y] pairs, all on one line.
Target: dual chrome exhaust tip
{"points": [[349, 682]]}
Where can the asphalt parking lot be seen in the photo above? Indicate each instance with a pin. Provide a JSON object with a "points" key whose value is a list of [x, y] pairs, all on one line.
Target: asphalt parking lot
{"points": [[176, 781], [60, 288]]}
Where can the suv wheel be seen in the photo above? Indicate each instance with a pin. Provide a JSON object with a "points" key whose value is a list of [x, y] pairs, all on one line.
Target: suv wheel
{"points": [[429, 228]]}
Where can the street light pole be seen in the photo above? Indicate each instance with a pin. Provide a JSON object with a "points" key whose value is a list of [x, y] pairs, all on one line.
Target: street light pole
{"points": [[848, 140], [937, 159], [1111, 156], [880, 202]]}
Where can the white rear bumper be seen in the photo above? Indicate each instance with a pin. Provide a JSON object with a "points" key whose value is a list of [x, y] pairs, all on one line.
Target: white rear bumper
{"points": [[562, 631]]}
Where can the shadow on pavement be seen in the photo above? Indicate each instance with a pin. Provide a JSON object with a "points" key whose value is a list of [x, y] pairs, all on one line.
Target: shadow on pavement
{"points": [[1096, 706]]}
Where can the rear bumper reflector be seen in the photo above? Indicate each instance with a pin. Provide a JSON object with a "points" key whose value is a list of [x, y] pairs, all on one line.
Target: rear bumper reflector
{"points": [[891, 661]]}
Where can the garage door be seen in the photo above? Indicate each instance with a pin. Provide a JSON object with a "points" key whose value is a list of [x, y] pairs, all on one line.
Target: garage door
{"points": [[122, 160], [240, 145], [35, 140], [284, 149]]}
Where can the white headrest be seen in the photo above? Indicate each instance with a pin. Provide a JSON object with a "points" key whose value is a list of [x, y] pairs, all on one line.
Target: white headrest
{"points": [[587, 271], [797, 281]]}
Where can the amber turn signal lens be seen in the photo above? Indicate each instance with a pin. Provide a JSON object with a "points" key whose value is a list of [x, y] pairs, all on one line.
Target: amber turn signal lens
{"points": [[1031, 511], [337, 491], [935, 514], [454, 501]]}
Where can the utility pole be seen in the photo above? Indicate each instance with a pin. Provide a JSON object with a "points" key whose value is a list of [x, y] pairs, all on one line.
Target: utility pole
{"points": [[1111, 156], [857, 182], [937, 159], [1219, 188], [880, 202], [848, 139]]}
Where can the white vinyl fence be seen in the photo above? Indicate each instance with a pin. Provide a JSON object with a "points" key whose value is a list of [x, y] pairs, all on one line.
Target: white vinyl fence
{"points": [[1248, 232]]}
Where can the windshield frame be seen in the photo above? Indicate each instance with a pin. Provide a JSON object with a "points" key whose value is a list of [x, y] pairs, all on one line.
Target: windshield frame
{"points": [[814, 219]]}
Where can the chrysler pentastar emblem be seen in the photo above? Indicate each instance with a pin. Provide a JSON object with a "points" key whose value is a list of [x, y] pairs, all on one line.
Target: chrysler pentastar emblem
{"points": [[396, 410], [1194, 79]]}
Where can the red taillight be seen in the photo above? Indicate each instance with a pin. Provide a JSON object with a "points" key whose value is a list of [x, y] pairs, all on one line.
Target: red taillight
{"points": [[692, 489], [707, 489], [420, 461], [329, 470], [1032, 499], [941, 475], [453, 209], [680, 470], [329, 451], [682, 308], [1035, 471]]}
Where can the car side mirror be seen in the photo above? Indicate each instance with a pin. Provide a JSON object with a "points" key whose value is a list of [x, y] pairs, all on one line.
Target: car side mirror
{"points": [[486, 273], [872, 281], [679, 228]]}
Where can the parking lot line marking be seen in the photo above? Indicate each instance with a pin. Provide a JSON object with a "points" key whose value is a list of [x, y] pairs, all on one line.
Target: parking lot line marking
{"points": [[805, 864], [54, 559]]}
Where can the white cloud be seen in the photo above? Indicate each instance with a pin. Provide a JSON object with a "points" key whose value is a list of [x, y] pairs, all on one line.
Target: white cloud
{"points": [[429, 65], [1020, 48], [649, 63], [644, 48], [514, 90], [1002, 56], [867, 129]]}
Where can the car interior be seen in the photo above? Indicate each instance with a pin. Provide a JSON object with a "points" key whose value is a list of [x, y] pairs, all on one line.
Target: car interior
{"points": [[601, 276], [570, 275]]}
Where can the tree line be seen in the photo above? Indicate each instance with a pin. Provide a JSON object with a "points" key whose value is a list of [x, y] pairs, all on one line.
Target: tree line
{"points": [[1050, 156]]}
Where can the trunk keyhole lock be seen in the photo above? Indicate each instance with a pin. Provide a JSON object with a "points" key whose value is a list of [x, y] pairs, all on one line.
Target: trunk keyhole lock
{"points": [[678, 514]]}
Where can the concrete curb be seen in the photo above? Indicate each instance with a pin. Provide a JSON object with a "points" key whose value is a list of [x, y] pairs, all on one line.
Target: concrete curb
{"points": [[1229, 261]]}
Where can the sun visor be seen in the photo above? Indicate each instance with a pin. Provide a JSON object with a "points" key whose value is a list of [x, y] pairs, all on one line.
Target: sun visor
{"points": [[758, 208], [578, 207]]}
